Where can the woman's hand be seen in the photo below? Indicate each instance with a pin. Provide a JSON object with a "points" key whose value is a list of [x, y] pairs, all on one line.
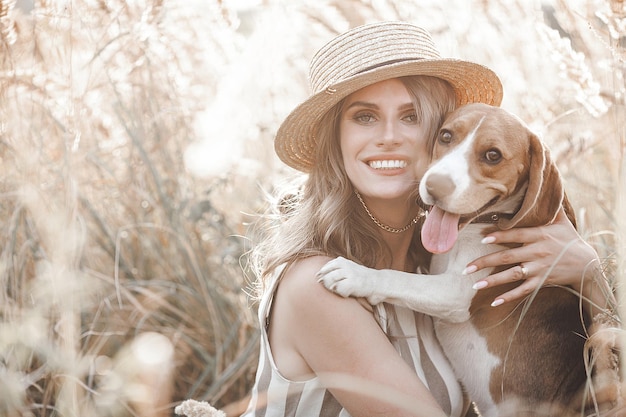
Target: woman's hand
{"points": [[550, 255]]}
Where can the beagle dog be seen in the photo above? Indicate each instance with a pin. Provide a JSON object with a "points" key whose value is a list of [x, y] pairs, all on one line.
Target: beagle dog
{"points": [[489, 171]]}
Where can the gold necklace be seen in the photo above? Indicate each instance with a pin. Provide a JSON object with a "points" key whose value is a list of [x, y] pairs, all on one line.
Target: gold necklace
{"points": [[384, 226]]}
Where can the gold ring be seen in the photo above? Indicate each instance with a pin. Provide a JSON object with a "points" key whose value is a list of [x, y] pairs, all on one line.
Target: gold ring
{"points": [[524, 271]]}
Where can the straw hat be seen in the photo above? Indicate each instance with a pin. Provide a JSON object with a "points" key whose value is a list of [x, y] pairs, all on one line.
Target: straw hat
{"points": [[366, 55]]}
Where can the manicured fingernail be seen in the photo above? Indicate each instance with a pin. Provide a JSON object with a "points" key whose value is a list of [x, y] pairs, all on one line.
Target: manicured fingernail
{"points": [[470, 270], [480, 284], [497, 302], [487, 240]]}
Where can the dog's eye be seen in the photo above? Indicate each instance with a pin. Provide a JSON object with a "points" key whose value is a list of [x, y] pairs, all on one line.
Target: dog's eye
{"points": [[493, 156], [445, 136]]}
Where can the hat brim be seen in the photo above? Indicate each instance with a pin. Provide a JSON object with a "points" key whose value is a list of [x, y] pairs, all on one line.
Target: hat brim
{"points": [[295, 143]]}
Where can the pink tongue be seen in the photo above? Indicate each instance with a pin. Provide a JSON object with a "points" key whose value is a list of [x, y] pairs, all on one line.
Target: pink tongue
{"points": [[440, 230]]}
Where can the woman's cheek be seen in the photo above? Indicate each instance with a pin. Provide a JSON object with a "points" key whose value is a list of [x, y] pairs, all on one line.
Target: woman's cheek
{"points": [[421, 166]]}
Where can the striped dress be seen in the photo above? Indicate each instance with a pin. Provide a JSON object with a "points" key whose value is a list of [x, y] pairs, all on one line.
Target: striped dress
{"points": [[412, 335]]}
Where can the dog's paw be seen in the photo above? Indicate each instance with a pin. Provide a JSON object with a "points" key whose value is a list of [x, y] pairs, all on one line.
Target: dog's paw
{"points": [[346, 278], [603, 345]]}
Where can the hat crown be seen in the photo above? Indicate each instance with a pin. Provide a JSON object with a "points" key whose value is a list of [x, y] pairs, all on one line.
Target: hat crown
{"points": [[368, 47]]}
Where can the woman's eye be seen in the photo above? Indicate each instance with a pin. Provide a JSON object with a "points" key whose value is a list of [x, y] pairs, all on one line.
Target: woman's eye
{"points": [[364, 118], [410, 118]]}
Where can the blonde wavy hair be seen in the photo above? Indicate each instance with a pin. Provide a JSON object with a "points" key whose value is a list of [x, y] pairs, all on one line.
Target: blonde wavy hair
{"points": [[321, 218]]}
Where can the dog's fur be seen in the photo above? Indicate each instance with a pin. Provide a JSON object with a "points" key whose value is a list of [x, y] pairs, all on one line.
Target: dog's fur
{"points": [[531, 352]]}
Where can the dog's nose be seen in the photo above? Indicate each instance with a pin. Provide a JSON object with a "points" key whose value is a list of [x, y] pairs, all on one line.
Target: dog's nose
{"points": [[439, 186]]}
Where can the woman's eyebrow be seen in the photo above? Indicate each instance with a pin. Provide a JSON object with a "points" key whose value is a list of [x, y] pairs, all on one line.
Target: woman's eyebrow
{"points": [[406, 106], [362, 104]]}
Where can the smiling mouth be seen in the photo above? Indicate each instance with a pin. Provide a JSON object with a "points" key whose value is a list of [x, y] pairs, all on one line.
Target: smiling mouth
{"points": [[387, 164]]}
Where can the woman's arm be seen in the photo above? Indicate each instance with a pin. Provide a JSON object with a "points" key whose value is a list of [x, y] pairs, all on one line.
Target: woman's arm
{"points": [[554, 251], [314, 331]]}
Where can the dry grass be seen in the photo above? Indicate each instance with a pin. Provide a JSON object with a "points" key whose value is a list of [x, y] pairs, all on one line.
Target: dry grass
{"points": [[135, 135]]}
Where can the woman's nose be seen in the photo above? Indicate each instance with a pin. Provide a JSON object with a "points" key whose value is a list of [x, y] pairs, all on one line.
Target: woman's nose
{"points": [[390, 135]]}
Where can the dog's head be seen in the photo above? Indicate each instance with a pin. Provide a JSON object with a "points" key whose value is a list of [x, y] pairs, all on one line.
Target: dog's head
{"points": [[486, 160]]}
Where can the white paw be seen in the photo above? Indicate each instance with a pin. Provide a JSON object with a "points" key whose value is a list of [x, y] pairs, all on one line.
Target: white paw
{"points": [[344, 277]]}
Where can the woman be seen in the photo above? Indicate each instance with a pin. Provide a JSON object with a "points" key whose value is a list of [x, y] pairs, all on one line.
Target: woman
{"points": [[363, 137]]}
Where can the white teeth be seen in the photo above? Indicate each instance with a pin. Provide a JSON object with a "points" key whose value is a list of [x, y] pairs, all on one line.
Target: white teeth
{"points": [[394, 164]]}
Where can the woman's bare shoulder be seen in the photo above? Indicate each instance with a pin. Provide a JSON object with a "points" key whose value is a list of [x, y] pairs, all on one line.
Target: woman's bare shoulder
{"points": [[303, 313], [310, 310], [300, 282], [303, 272]]}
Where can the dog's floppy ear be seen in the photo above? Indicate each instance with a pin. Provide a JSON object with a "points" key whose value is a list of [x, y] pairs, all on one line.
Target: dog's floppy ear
{"points": [[544, 195]]}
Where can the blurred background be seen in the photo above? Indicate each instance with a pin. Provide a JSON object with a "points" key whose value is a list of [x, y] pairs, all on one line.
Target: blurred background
{"points": [[136, 149]]}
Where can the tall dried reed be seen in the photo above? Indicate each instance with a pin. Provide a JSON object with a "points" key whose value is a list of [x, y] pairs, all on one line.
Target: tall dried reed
{"points": [[121, 280]]}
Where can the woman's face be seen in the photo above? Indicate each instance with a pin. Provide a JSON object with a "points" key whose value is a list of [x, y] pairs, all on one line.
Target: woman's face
{"points": [[382, 143]]}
